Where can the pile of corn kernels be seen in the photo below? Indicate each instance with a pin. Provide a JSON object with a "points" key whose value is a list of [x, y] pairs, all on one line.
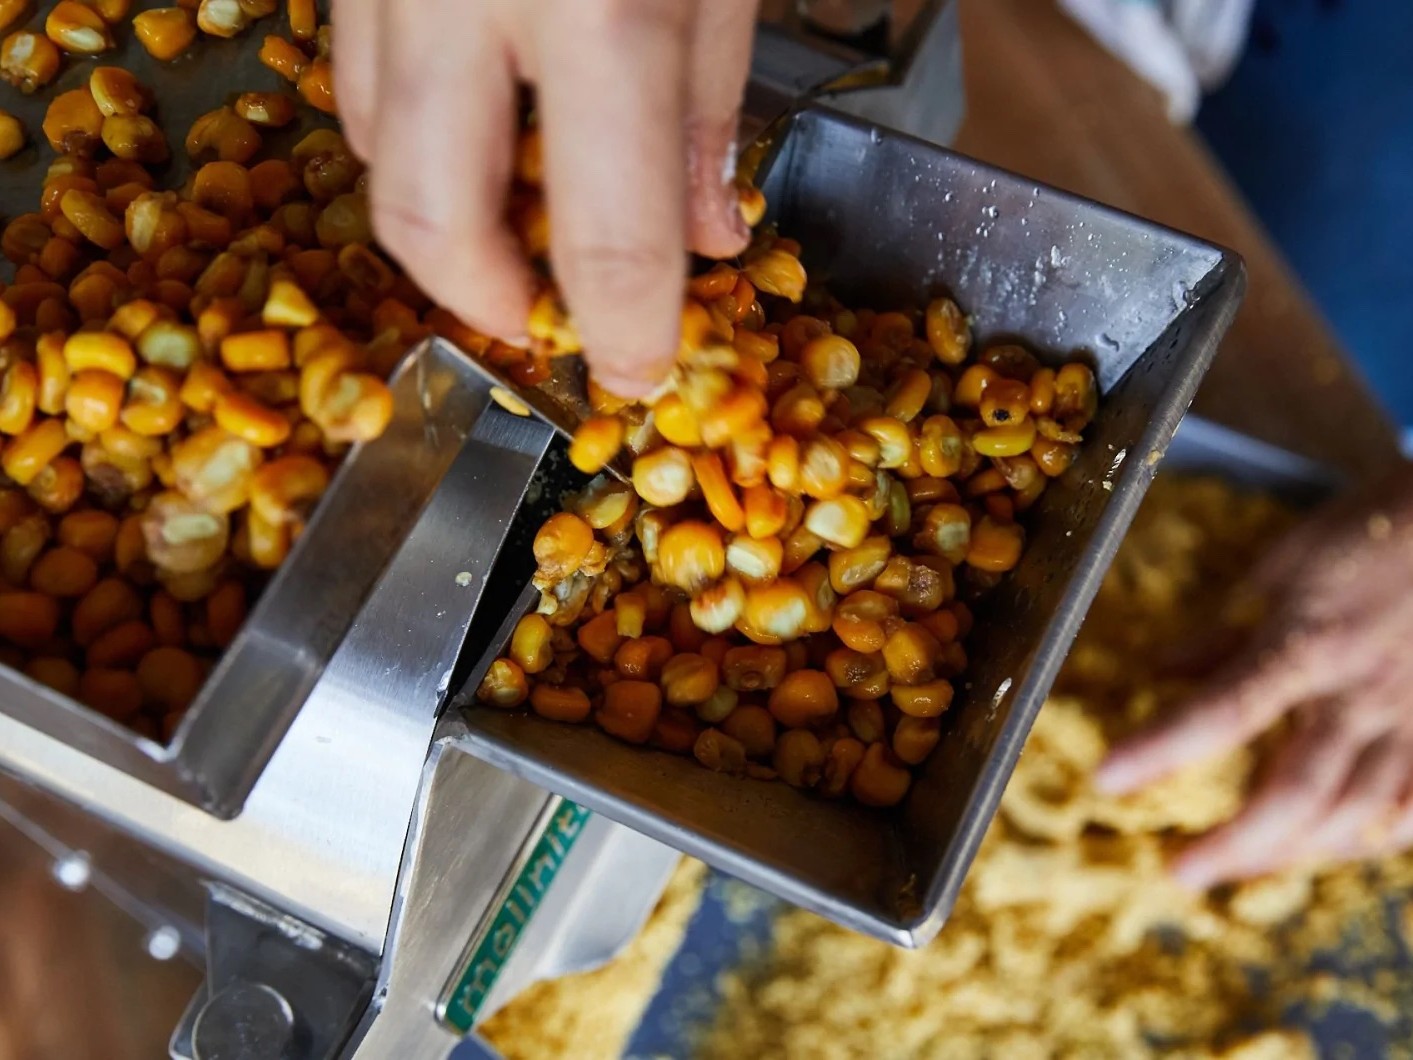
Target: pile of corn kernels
{"points": [[776, 589], [180, 371]]}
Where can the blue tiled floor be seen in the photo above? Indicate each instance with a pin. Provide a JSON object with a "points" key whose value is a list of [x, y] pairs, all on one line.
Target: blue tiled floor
{"points": [[1316, 127]]}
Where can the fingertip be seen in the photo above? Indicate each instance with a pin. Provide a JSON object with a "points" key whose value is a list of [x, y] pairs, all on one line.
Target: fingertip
{"points": [[631, 381], [1195, 871], [1116, 775]]}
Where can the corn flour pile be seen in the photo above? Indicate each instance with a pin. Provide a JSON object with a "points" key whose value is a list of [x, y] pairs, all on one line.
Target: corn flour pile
{"points": [[1069, 939]]}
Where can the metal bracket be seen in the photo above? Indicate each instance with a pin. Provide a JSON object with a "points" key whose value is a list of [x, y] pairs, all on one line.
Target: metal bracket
{"points": [[276, 988]]}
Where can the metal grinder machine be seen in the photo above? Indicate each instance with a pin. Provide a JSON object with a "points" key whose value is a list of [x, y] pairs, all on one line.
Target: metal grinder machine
{"points": [[364, 865]]}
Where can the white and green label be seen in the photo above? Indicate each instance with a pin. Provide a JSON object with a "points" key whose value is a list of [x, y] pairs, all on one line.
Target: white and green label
{"points": [[470, 988]]}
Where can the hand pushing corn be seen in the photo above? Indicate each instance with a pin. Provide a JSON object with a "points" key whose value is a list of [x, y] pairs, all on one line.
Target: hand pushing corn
{"points": [[818, 489]]}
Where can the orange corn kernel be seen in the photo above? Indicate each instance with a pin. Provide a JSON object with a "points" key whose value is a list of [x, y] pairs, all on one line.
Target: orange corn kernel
{"points": [[560, 704], [29, 61], [1076, 396], [688, 679], [170, 678], [804, 698], [283, 57], [880, 779], [270, 109], [630, 710], [168, 621], [115, 693], [596, 443], [1004, 402], [91, 532], [915, 738], [64, 573], [911, 654], [303, 20], [283, 491], [926, 700], [995, 547], [855, 568], [599, 637], [28, 618], [859, 620], [116, 91], [77, 28], [971, 387], [73, 124], [89, 213], [95, 399], [166, 32], [642, 658], [719, 752], [30, 452], [12, 135], [316, 85], [753, 668], [753, 727], [1053, 458], [59, 674], [204, 384], [109, 603], [58, 487], [504, 686], [122, 645], [718, 492]]}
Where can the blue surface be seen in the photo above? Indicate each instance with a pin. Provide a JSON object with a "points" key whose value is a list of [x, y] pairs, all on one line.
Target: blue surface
{"points": [[1316, 127]]}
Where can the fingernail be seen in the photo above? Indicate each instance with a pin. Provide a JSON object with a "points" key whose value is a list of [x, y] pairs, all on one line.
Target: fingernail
{"points": [[1194, 873], [1113, 777]]}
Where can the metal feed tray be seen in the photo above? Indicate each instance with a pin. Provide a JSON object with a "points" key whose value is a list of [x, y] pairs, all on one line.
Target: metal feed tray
{"points": [[889, 221]]}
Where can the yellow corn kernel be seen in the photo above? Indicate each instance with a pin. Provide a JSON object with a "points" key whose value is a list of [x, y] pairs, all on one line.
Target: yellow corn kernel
{"points": [[247, 418], [562, 544], [223, 131], [270, 109], [1042, 392], [29, 61], [775, 613], [926, 700], [166, 32], [256, 351], [19, 395], [895, 443], [880, 780], [690, 556], [94, 400], [728, 419], [907, 397], [804, 698], [777, 272], [28, 453], [504, 685], [830, 362], [1076, 396], [595, 443], [221, 18], [664, 477], [214, 468], [12, 135], [676, 422], [530, 646], [59, 486], [948, 331], [1010, 440], [855, 568], [283, 491], [799, 411], [995, 547], [100, 351], [89, 214], [946, 531], [911, 653], [751, 203], [77, 29], [971, 387], [1005, 401], [116, 91], [839, 521], [1053, 458], [756, 561], [182, 537], [688, 679], [283, 57], [717, 608]]}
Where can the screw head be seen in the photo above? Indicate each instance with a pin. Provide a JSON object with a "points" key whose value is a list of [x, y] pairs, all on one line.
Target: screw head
{"points": [[245, 1021]]}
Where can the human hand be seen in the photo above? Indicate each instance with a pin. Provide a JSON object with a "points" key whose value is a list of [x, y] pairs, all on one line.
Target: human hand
{"points": [[1336, 653], [637, 101]]}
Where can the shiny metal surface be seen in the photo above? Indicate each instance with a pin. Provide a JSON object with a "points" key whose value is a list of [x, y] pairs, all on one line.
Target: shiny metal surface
{"points": [[889, 221], [244, 1021], [322, 833]]}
